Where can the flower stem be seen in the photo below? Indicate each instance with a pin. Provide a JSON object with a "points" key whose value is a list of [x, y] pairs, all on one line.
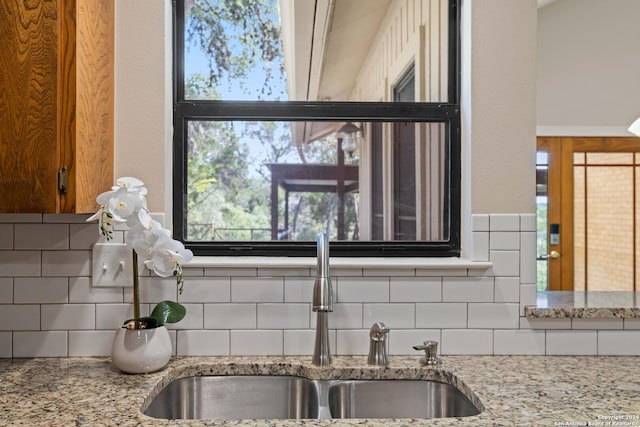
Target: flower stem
{"points": [[136, 288]]}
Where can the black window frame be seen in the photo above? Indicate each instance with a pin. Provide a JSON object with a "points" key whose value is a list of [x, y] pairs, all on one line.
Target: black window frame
{"points": [[447, 113]]}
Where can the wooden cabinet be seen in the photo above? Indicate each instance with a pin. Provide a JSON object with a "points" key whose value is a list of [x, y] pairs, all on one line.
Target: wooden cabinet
{"points": [[56, 104]]}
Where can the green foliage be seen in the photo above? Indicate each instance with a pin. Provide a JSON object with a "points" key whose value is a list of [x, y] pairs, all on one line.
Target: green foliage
{"points": [[168, 312], [228, 180], [237, 36]]}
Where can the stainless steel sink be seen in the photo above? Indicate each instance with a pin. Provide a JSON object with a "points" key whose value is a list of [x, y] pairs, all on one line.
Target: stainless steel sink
{"points": [[236, 397], [290, 397], [398, 399]]}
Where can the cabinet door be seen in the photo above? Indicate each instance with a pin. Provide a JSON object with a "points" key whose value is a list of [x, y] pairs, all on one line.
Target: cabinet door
{"points": [[56, 104], [28, 106]]}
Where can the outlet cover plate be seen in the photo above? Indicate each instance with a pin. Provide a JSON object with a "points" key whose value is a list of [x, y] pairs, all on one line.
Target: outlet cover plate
{"points": [[112, 265]]}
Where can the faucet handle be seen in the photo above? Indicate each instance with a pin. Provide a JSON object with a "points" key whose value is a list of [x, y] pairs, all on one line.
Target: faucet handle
{"points": [[431, 353], [378, 331], [378, 344]]}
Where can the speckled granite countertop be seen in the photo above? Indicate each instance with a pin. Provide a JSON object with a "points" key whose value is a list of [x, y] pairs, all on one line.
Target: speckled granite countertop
{"points": [[580, 304], [514, 390]]}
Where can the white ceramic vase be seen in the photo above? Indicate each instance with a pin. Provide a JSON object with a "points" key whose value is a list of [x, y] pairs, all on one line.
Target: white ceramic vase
{"points": [[138, 351]]}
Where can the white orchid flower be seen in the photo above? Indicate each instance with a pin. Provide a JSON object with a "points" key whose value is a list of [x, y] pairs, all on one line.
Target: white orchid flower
{"points": [[126, 203], [168, 256]]}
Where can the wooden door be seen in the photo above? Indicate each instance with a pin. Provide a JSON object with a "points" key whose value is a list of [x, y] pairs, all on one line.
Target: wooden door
{"points": [[593, 189]]}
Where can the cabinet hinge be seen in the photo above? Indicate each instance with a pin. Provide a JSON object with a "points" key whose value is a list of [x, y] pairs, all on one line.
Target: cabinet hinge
{"points": [[63, 180]]}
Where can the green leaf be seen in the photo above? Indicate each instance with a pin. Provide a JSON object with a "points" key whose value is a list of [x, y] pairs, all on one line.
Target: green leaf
{"points": [[168, 312]]}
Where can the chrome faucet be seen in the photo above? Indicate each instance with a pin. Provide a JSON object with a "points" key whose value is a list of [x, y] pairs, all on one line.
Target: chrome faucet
{"points": [[322, 304]]}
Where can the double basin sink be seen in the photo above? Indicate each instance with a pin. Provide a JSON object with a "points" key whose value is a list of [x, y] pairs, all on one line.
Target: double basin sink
{"points": [[291, 397]]}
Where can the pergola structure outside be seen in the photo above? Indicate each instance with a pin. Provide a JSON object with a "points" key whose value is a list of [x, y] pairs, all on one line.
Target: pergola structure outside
{"points": [[311, 178]]}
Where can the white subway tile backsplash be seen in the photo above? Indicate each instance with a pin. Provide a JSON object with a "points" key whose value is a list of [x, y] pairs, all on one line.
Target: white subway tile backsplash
{"points": [[342, 272], [415, 289], [631, 323], [231, 272], [352, 342], [505, 241], [505, 263], [49, 309], [55, 317], [90, 343], [493, 316], [441, 315], [40, 290], [465, 341], [528, 295], [20, 263], [301, 342], [283, 316], [283, 272], [394, 316], [20, 317], [363, 289], [258, 289], [20, 218], [6, 290], [81, 291], [507, 289], [6, 236], [300, 289], [40, 344], [84, 236], [480, 250], [206, 290], [6, 345], [194, 319], [596, 324], [230, 316], [388, 272], [480, 222], [618, 343], [437, 272], [528, 257], [544, 323], [41, 236], [572, 343], [467, 289], [528, 222], [343, 316], [154, 289], [66, 263], [401, 341], [519, 342], [504, 222], [66, 219], [258, 343], [112, 316], [202, 343]]}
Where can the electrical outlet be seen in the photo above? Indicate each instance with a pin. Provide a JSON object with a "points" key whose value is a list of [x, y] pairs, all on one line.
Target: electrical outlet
{"points": [[112, 265]]}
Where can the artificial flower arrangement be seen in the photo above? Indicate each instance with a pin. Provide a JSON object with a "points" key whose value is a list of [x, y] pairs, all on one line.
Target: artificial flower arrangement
{"points": [[126, 204]]}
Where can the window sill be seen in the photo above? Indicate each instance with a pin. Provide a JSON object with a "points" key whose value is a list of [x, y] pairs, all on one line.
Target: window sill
{"points": [[339, 262]]}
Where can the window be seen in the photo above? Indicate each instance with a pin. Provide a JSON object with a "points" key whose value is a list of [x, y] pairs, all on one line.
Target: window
{"points": [[293, 117]]}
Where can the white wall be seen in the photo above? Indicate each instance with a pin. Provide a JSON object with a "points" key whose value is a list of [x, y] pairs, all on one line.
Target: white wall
{"points": [[501, 105], [143, 96], [588, 65]]}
